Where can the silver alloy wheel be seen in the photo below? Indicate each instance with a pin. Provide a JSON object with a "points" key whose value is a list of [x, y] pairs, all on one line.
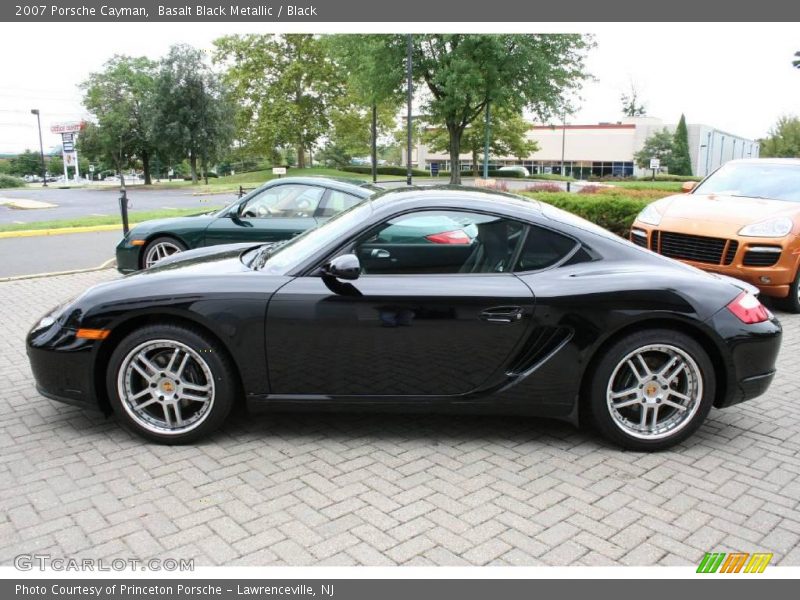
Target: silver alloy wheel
{"points": [[156, 252], [166, 387], [654, 391]]}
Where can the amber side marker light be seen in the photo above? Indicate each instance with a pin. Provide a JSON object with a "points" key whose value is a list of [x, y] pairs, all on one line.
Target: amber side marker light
{"points": [[93, 334], [137, 242]]}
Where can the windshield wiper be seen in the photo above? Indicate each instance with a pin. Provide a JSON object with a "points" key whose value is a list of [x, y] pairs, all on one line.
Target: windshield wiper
{"points": [[264, 253]]}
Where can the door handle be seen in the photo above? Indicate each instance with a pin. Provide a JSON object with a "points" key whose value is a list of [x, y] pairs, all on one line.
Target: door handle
{"points": [[379, 253], [502, 314]]}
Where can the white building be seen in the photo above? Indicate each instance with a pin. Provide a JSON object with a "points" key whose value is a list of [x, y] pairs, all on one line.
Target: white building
{"points": [[606, 149]]}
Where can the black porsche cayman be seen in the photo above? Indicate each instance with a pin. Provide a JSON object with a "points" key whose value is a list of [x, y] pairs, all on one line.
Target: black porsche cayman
{"points": [[442, 299]]}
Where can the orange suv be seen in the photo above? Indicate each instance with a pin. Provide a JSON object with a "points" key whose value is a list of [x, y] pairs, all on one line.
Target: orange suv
{"points": [[743, 220]]}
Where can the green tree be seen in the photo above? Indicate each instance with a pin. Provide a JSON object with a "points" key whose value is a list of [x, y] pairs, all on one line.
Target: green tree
{"points": [[679, 161], [351, 131], [796, 61], [374, 84], [462, 73], [631, 103], [191, 109], [120, 100], [507, 132], [783, 139], [27, 163], [55, 165], [658, 145], [284, 86]]}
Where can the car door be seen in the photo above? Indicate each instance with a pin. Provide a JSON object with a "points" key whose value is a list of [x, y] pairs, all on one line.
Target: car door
{"points": [[424, 321], [276, 213]]}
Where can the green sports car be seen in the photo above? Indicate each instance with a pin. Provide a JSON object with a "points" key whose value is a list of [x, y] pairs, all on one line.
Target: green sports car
{"points": [[278, 210]]}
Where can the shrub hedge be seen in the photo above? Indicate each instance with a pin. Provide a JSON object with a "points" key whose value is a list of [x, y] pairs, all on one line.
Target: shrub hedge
{"points": [[8, 181], [646, 178], [615, 212], [384, 170]]}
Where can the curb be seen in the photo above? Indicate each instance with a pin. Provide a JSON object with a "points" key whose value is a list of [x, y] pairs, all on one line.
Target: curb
{"points": [[58, 231], [106, 265]]}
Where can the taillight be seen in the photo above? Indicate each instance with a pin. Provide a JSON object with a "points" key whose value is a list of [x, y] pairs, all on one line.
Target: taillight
{"points": [[748, 309], [449, 237]]}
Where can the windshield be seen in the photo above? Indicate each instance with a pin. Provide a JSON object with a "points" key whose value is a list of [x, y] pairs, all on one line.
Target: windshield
{"points": [[280, 259], [755, 180]]}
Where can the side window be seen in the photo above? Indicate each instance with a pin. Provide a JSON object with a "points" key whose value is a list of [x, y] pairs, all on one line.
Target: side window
{"points": [[284, 201], [336, 202], [542, 249], [429, 242]]}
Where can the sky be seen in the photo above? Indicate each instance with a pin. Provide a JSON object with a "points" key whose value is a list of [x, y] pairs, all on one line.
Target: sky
{"points": [[736, 77]]}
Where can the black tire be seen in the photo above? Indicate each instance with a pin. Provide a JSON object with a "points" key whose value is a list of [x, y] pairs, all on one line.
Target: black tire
{"points": [[617, 425], [209, 366], [163, 241], [792, 302]]}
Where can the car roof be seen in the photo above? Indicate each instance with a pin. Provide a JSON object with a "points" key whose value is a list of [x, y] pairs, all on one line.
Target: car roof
{"points": [[502, 200], [341, 183], [761, 161]]}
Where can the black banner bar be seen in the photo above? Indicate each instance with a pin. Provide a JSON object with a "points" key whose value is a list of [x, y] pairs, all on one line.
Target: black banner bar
{"points": [[730, 588], [444, 11]]}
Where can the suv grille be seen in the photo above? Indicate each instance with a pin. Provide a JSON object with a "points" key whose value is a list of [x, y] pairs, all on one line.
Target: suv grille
{"points": [[696, 247]]}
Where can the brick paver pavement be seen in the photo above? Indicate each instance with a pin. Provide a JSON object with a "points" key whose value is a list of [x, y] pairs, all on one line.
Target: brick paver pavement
{"points": [[387, 489]]}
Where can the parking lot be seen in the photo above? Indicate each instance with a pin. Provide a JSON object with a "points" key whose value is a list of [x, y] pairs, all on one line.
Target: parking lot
{"points": [[309, 489]]}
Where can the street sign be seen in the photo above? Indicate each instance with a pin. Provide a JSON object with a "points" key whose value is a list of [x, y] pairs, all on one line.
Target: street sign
{"points": [[655, 163], [279, 170], [434, 169], [91, 168]]}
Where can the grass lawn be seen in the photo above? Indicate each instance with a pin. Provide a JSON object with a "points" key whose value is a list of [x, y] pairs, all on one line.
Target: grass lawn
{"points": [[133, 218]]}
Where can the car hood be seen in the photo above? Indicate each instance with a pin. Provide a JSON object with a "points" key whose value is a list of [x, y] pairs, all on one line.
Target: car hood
{"points": [[718, 208], [220, 259], [200, 220], [193, 275]]}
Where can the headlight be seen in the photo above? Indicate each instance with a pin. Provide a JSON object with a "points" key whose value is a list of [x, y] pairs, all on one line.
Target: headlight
{"points": [[650, 215], [54, 314], [772, 228]]}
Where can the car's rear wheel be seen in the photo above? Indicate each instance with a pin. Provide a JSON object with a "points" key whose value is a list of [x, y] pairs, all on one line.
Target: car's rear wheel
{"points": [[170, 384], [652, 389], [160, 248]]}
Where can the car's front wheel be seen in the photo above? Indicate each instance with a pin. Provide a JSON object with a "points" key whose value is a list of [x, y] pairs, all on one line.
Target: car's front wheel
{"points": [[652, 389], [160, 248], [792, 302], [170, 384]]}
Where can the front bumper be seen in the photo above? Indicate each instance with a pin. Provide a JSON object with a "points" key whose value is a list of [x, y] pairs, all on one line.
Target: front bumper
{"points": [[62, 365], [750, 352], [772, 280], [128, 256]]}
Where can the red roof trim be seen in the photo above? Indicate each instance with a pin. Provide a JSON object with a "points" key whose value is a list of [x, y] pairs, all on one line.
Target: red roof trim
{"points": [[598, 126]]}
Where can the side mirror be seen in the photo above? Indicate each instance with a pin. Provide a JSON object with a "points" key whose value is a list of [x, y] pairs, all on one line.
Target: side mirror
{"points": [[688, 186], [346, 266]]}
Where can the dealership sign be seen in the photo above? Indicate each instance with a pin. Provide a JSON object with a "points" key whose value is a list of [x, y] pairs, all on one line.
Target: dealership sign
{"points": [[72, 127], [68, 132]]}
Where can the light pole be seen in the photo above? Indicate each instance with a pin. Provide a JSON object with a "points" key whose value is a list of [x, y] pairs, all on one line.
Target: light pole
{"points": [[563, 140], [35, 111], [410, 90]]}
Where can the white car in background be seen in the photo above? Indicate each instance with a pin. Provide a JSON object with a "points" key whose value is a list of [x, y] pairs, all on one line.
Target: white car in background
{"points": [[518, 170]]}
